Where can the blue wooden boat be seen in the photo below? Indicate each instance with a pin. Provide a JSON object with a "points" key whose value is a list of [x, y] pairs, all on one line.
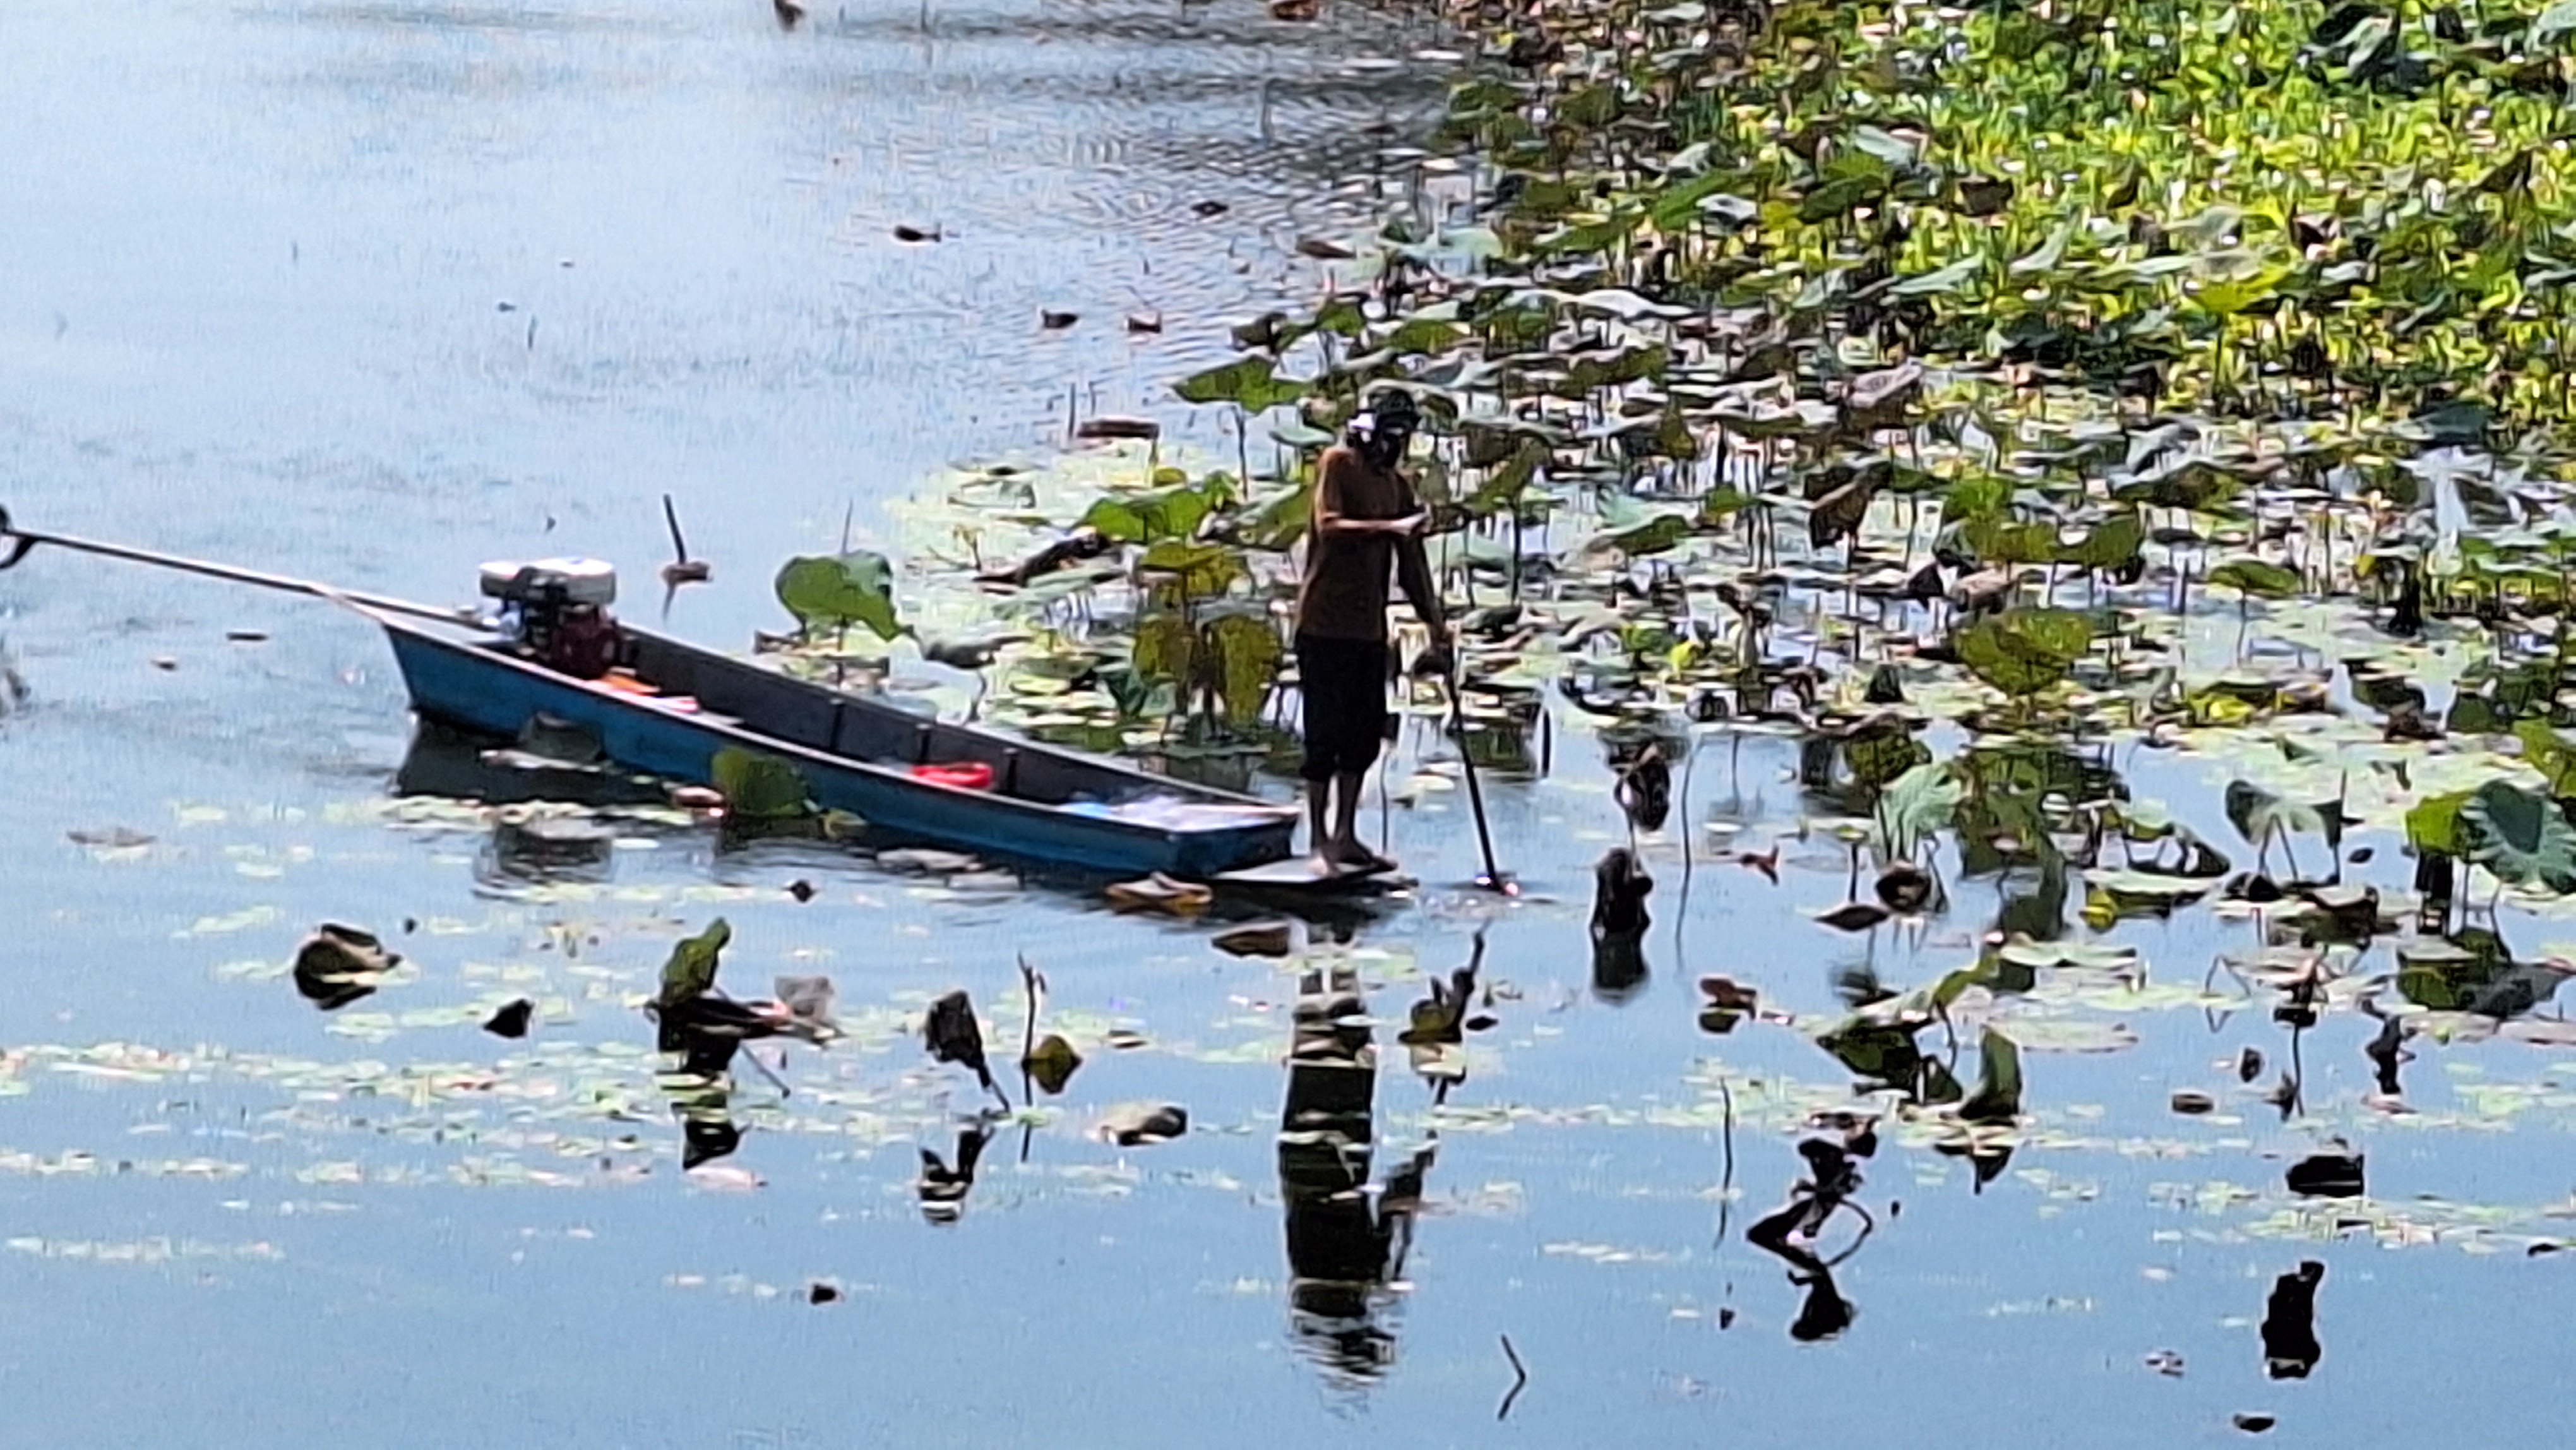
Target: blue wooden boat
{"points": [[855, 754]]}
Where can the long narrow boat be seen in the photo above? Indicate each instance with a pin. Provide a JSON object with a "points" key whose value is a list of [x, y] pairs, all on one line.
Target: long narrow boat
{"points": [[672, 706]]}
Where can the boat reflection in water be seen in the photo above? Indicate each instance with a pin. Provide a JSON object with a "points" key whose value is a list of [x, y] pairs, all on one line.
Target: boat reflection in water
{"points": [[550, 761], [1346, 1242], [548, 786]]}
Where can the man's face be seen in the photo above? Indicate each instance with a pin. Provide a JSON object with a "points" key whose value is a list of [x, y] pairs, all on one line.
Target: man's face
{"points": [[1389, 437]]}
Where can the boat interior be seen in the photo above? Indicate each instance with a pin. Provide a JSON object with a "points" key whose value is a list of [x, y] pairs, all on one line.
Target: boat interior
{"points": [[668, 674]]}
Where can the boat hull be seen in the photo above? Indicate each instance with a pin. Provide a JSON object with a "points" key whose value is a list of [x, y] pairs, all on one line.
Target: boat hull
{"points": [[465, 683]]}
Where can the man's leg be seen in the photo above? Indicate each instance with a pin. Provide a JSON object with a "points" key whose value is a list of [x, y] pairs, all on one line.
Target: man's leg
{"points": [[1315, 686], [1346, 847], [1319, 831]]}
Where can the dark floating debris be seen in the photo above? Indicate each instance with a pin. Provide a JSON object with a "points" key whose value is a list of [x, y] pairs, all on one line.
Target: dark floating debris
{"points": [[1109, 426], [1051, 1063], [822, 1291], [1256, 939], [1904, 888], [953, 1035], [512, 1019], [2327, 1175], [1136, 1125], [338, 965], [1854, 916], [1728, 1003]]}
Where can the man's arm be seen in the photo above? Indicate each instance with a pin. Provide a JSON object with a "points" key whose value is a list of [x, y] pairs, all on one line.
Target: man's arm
{"points": [[1413, 573]]}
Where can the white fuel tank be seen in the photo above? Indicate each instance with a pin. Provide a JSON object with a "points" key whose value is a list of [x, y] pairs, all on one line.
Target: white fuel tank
{"points": [[582, 581]]}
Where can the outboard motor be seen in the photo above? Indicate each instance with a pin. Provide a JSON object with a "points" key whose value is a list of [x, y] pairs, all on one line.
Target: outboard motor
{"points": [[557, 610]]}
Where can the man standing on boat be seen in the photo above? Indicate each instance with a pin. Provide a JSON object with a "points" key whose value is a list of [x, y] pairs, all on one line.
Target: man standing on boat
{"points": [[1366, 525]]}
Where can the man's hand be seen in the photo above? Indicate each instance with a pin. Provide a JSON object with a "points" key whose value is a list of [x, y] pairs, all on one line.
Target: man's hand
{"points": [[1437, 658]]}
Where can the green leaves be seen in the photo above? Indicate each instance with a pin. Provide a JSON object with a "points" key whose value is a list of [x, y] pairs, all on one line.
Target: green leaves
{"points": [[1153, 516], [2557, 21], [1200, 569], [1502, 489], [2257, 579], [1918, 803], [2550, 753], [2258, 814], [1998, 1095], [2520, 835], [759, 787], [1941, 282], [1246, 654], [2438, 824], [2025, 651], [1236, 657], [839, 590], [1250, 383], [691, 971]]}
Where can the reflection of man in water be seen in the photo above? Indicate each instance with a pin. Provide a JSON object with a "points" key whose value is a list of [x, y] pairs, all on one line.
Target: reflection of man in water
{"points": [[1345, 1245]]}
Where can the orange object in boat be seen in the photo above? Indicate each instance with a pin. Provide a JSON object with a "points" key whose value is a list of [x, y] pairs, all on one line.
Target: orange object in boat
{"points": [[967, 775]]}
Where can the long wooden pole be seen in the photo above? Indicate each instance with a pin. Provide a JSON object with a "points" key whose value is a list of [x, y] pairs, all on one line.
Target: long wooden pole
{"points": [[1493, 878], [22, 542]]}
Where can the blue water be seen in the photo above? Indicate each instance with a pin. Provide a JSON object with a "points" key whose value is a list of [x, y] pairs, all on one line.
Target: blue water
{"points": [[252, 308]]}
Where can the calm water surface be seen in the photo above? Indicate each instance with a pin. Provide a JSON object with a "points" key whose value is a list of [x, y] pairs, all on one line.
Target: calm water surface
{"points": [[379, 291]]}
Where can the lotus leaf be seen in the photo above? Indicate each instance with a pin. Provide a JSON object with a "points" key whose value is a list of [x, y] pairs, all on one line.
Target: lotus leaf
{"points": [[2520, 835], [2025, 651], [760, 787], [690, 972], [837, 591]]}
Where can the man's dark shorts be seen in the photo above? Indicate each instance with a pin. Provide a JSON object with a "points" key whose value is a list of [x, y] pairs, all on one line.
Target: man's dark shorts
{"points": [[1344, 682]]}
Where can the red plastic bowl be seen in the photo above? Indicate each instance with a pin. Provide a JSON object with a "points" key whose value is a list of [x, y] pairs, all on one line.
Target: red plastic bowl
{"points": [[969, 776]]}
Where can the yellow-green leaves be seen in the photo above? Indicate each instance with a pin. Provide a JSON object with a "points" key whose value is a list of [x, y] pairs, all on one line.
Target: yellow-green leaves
{"points": [[691, 971], [2025, 651]]}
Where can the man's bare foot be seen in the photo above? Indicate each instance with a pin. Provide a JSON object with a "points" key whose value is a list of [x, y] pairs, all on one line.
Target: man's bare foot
{"points": [[1351, 855]]}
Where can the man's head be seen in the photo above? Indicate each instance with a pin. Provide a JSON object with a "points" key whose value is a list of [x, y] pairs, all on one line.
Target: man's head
{"points": [[1385, 429]]}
